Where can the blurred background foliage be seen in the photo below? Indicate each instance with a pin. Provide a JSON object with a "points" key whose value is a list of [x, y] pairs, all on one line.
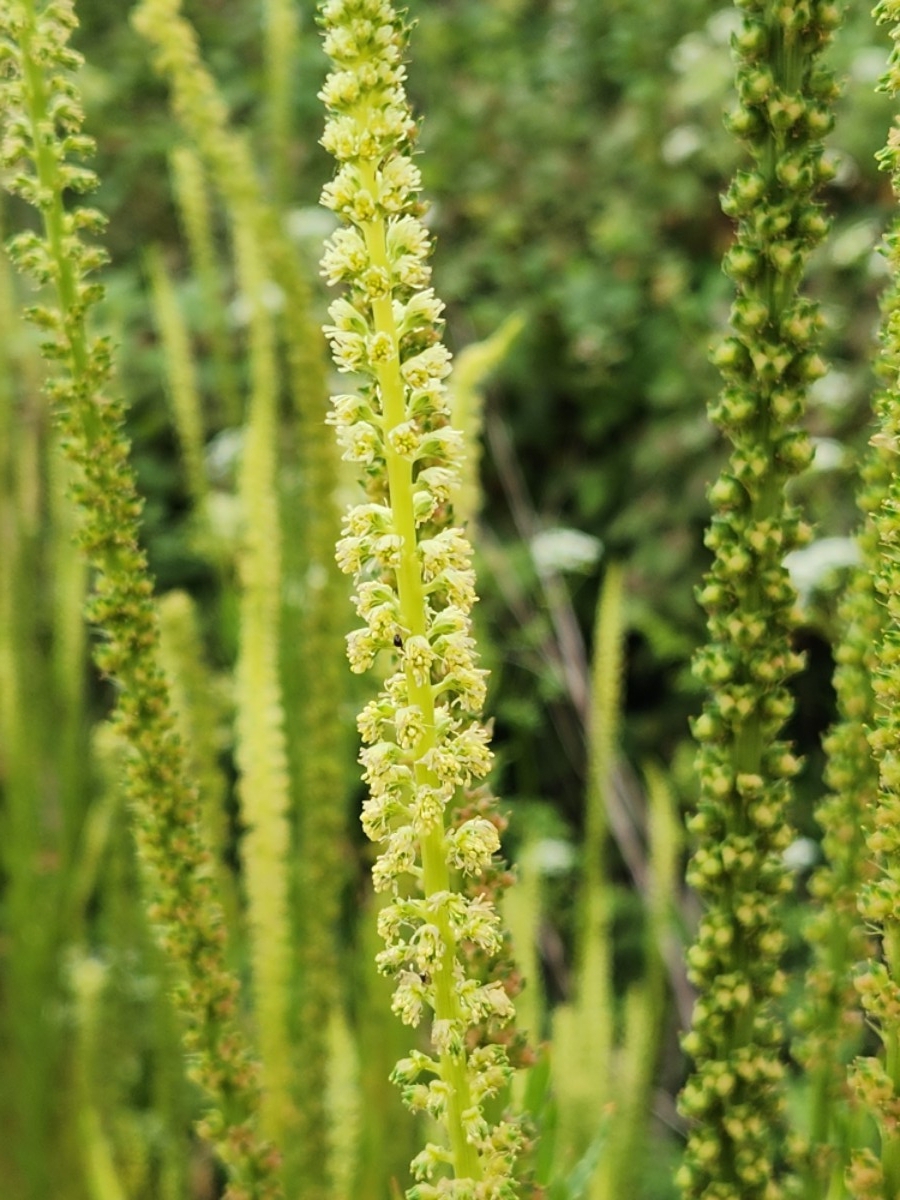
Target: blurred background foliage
{"points": [[574, 154]]}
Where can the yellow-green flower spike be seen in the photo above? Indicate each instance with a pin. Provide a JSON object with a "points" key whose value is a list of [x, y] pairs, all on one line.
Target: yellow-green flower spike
{"points": [[424, 740], [734, 1098], [43, 147], [830, 1020], [191, 194], [876, 1080], [181, 377], [314, 714], [281, 26]]}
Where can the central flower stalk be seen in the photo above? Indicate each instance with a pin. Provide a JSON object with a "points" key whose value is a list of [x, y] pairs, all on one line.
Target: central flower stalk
{"points": [[414, 618], [425, 744]]}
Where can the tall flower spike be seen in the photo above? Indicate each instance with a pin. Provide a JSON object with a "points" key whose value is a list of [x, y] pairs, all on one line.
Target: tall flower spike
{"points": [[876, 1081], [830, 1019], [734, 1097], [43, 145], [314, 714], [414, 591]]}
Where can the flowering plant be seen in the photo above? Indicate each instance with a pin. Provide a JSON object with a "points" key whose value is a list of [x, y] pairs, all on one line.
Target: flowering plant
{"points": [[425, 743]]}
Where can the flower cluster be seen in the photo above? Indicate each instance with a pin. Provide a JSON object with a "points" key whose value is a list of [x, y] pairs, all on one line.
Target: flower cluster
{"points": [[876, 1177], [734, 1098], [830, 1020], [41, 127], [424, 742]]}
